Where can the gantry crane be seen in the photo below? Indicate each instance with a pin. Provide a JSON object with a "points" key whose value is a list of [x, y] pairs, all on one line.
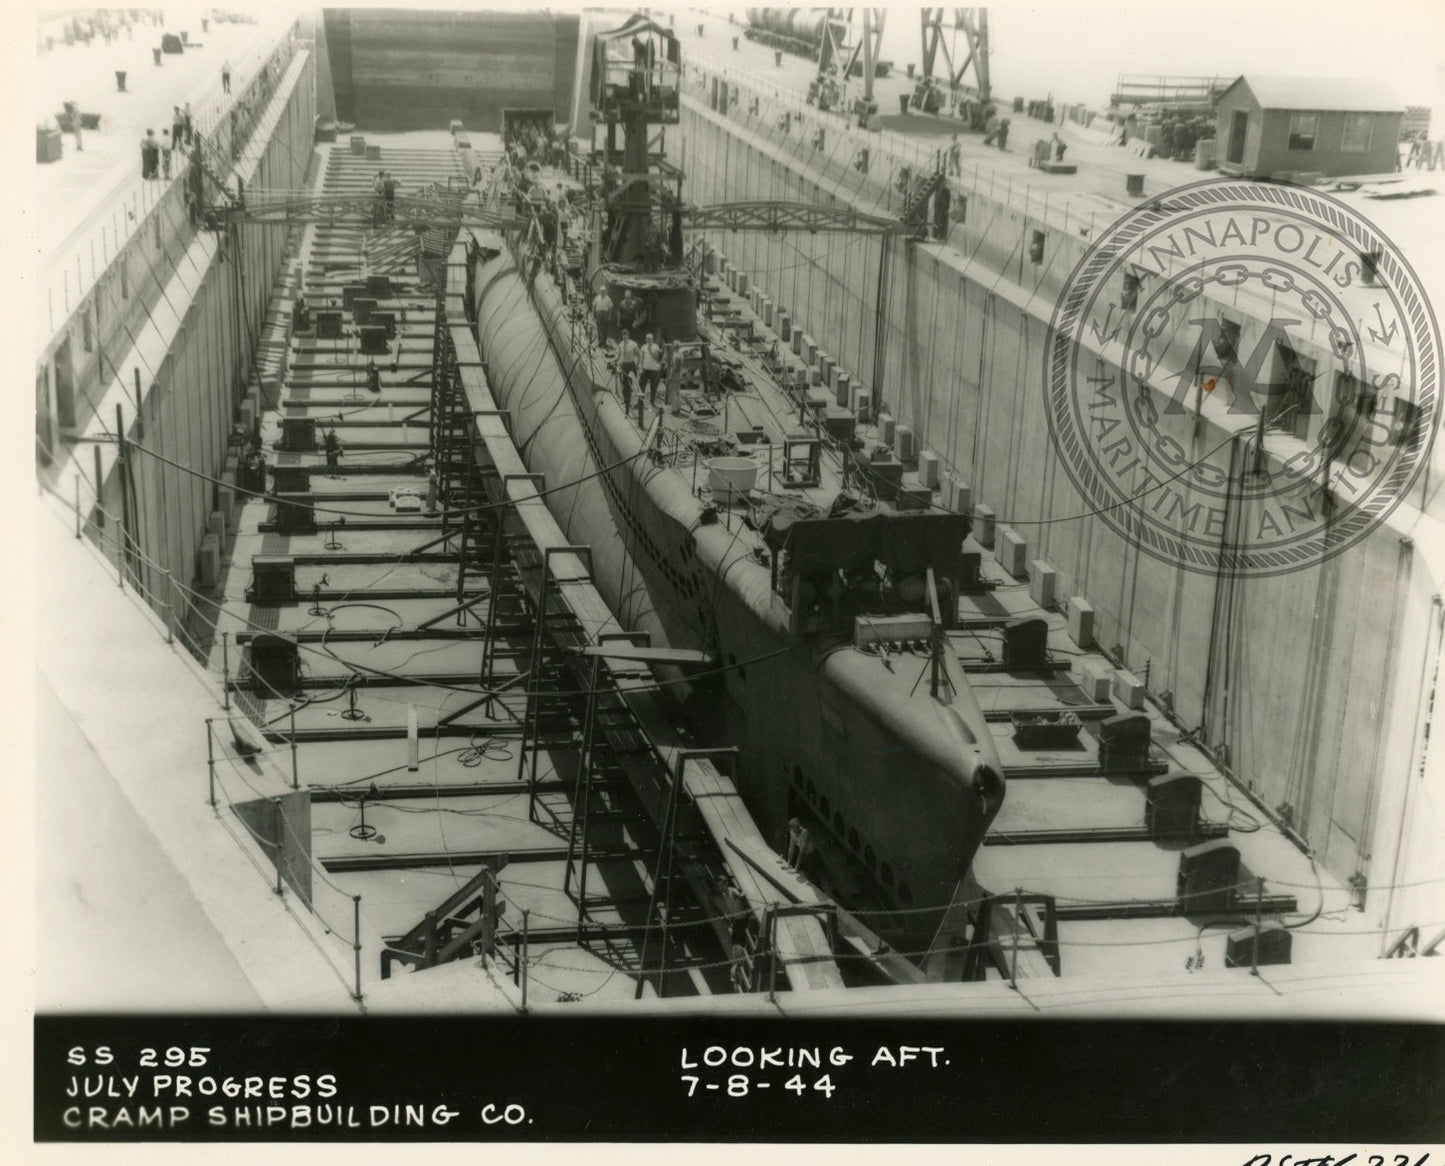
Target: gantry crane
{"points": [[837, 58], [973, 23]]}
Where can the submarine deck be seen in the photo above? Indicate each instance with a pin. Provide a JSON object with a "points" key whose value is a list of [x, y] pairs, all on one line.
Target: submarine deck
{"points": [[1072, 832]]}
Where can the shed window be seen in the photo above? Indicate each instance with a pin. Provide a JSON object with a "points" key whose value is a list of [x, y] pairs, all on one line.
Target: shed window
{"points": [[1302, 130], [1355, 138]]}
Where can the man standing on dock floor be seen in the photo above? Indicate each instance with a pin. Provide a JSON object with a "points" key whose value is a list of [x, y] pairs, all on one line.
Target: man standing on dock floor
{"points": [[226, 77], [388, 188], [150, 154]]}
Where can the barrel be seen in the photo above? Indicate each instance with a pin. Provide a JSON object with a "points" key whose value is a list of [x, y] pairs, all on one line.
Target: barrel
{"points": [[728, 477]]}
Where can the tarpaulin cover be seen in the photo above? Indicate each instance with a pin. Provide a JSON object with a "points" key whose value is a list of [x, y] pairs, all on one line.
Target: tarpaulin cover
{"points": [[905, 542]]}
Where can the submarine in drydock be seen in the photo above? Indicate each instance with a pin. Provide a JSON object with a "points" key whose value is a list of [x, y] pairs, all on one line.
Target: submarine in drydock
{"points": [[824, 608]]}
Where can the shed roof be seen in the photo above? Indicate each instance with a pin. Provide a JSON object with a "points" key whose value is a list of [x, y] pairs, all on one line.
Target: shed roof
{"points": [[1319, 93]]}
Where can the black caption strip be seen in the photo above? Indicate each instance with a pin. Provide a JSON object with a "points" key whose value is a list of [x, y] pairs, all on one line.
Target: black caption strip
{"points": [[458, 1079]]}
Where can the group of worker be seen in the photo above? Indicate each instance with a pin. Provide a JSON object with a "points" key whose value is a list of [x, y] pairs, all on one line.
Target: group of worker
{"points": [[155, 153], [641, 365], [383, 200], [1423, 153], [532, 142]]}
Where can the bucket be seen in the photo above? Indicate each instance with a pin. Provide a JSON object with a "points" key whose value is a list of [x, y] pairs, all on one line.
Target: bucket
{"points": [[731, 476], [157, 54], [120, 80], [778, 58]]}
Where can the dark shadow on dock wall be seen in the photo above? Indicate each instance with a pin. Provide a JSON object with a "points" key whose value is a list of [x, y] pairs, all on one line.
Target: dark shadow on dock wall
{"points": [[398, 69]]}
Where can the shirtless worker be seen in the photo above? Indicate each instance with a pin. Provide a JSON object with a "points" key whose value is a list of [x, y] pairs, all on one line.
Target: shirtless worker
{"points": [[627, 356]]}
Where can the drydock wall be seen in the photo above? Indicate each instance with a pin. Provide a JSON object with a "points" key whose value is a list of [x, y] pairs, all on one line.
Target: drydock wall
{"points": [[1312, 687], [404, 69], [173, 321]]}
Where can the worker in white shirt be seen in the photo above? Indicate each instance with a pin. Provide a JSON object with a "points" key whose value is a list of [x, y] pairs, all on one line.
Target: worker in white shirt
{"points": [[602, 314], [651, 368]]}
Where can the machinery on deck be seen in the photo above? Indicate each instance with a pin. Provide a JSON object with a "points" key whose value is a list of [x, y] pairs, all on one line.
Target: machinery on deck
{"points": [[940, 88], [828, 36]]}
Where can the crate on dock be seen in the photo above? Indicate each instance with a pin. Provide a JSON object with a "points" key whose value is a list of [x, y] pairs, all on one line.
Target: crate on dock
{"points": [[913, 497], [1026, 645], [273, 580], [294, 513], [1267, 944], [298, 434], [840, 423], [1171, 804], [1207, 876], [48, 147], [292, 479], [358, 145], [373, 153], [886, 477], [1046, 730], [373, 340], [1081, 622]]}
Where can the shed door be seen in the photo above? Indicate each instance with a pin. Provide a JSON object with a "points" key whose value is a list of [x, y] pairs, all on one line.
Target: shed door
{"points": [[1238, 128]]}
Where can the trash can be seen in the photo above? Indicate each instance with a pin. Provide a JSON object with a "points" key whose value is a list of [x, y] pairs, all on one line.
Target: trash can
{"points": [[120, 80], [205, 24], [778, 58], [910, 70], [735, 44], [157, 54], [48, 147], [903, 103]]}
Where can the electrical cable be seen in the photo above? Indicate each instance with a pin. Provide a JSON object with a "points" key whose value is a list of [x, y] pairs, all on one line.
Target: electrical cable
{"points": [[366, 514]]}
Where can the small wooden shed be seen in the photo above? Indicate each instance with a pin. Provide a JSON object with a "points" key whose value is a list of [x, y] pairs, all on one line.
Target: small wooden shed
{"points": [[1281, 127]]}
